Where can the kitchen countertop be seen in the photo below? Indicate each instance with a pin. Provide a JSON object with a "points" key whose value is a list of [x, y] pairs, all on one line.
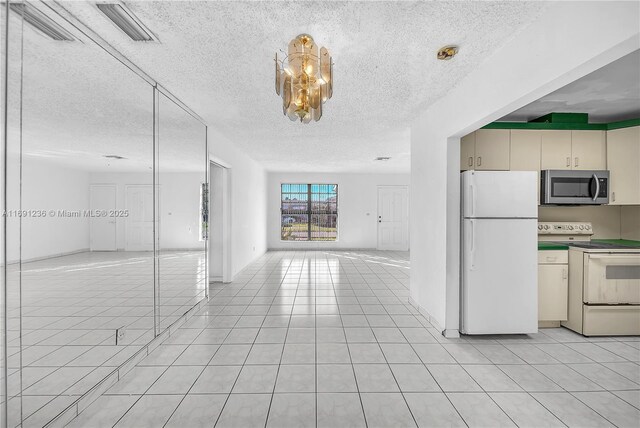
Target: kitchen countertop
{"points": [[545, 246], [621, 242]]}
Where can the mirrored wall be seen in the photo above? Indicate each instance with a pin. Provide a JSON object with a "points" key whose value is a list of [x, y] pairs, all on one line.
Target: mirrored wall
{"points": [[106, 215]]}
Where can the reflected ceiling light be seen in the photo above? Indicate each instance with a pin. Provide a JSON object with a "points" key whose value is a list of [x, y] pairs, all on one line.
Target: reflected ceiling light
{"points": [[304, 79], [41, 22], [126, 21], [448, 52]]}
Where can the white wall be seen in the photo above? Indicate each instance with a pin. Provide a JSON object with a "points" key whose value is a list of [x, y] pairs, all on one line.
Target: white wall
{"points": [[528, 67], [179, 205], [357, 207], [50, 187], [247, 181], [216, 225]]}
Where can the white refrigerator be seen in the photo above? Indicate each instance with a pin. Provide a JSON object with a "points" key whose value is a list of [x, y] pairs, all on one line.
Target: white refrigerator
{"points": [[499, 252]]}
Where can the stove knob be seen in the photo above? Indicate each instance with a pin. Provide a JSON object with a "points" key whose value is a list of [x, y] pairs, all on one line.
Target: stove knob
{"points": [[588, 227], [539, 227], [546, 227], [570, 227], [582, 227]]}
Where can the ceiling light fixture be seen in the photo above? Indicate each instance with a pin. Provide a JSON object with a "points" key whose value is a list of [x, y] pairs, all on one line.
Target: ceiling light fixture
{"points": [[41, 22], [126, 21], [447, 52], [304, 79]]}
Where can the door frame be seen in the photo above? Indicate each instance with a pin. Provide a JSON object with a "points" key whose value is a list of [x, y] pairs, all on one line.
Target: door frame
{"points": [[393, 186], [115, 207], [227, 271], [126, 207]]}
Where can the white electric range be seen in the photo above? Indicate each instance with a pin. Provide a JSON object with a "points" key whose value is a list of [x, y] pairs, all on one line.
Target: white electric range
{"points": [[604, 280]]}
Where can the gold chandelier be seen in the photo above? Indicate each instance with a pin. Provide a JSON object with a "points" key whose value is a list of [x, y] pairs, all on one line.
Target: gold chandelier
{"points": [[304, 79]]}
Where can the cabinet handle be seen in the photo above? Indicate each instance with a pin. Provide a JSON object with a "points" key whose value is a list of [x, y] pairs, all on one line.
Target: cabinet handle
{"points": [[479, 160], [470, 160], [564, 273], [613, 196], [569, 161], [576, 164]]}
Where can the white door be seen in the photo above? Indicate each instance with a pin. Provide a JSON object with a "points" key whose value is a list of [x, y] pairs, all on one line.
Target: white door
{"points": [[499, 276], [102, 228], [139, 223], [393, 218]]}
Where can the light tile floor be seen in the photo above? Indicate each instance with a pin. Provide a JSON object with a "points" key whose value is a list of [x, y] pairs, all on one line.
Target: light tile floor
{"points": [[327, 339], [63, 314]]}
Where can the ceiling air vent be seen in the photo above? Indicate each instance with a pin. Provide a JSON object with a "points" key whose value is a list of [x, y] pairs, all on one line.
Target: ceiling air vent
{"points": [[41, 22], [382, 158], [114, 157], [126, 21]]}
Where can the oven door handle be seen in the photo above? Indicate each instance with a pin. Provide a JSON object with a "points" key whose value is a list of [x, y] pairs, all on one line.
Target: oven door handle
{"points": [[597, 191]]}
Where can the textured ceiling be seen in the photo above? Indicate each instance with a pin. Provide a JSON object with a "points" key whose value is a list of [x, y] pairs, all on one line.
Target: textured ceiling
{"points": [[609, 94], [217, 57]]}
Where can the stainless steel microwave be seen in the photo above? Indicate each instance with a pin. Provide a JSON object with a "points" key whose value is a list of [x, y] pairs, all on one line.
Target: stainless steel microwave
{"points": [[564, 187]]}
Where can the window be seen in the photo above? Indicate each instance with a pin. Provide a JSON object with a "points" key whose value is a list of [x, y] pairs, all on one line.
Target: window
{"points": [[309, 212]]}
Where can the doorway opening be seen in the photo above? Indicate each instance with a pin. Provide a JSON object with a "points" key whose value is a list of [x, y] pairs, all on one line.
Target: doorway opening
{"points": [[219, 224]]}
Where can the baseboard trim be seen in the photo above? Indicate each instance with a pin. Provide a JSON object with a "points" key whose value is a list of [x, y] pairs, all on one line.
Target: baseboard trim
{"points": [[51, 256], [448, 333], [74, 409]]}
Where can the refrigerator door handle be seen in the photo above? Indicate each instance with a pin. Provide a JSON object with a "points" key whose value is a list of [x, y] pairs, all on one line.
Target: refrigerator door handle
{"points": [[473, 244], [472, 197]]}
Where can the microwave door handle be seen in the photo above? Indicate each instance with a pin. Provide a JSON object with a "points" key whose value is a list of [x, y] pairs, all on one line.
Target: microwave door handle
{"points": [[597, 192]]}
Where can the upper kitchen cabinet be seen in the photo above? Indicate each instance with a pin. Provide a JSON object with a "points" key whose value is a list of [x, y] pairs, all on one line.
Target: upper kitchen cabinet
{"points": [[492, 149], [623, 162], [485, 149], [555, 149], [467, 151], [588, 150], [525, 152]]}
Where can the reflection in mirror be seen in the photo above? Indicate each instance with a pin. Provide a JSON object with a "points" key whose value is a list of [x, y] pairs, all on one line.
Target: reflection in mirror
{"points": [[10, 374], [86, 262], [183, 222]]}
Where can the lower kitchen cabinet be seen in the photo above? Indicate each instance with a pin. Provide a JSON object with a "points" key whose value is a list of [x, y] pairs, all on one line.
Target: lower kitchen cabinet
{"points": [[553, 285]]}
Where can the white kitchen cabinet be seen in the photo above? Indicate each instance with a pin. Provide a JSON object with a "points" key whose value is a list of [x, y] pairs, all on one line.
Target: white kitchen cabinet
{"points": [[467, 151], [623, 163], [555, 149], [525, 153], [485, 149], [588, 150], [492, 149], [553, 285]]}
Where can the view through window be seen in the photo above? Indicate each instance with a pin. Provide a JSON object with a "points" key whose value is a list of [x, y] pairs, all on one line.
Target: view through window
{"points": [[309, 212]]}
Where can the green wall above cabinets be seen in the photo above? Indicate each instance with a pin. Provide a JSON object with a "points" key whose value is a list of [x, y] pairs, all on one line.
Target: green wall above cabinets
{"points": [[564, 121]]}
